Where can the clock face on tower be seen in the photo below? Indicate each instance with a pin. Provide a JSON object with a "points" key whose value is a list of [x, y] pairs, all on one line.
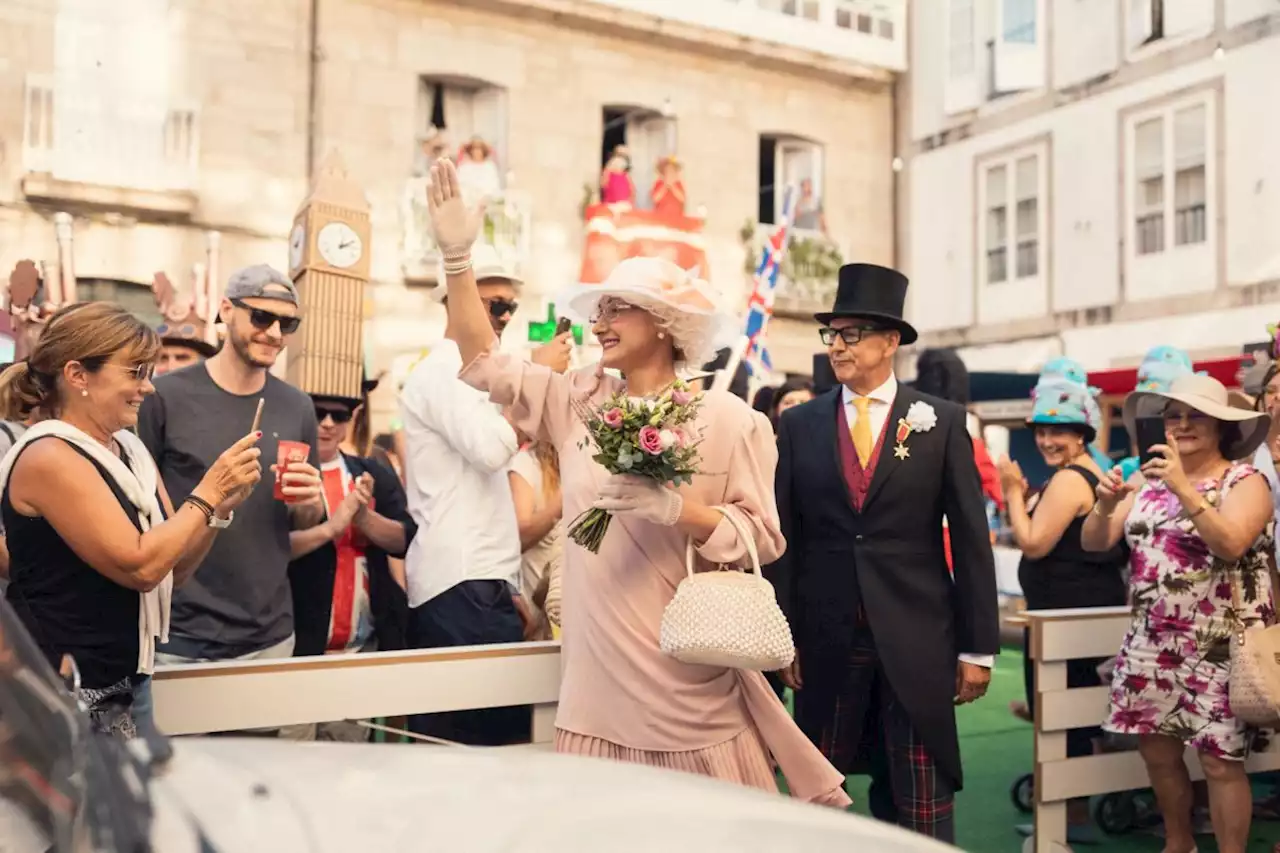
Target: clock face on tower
{"points": [[339, 245], [297, 242]]}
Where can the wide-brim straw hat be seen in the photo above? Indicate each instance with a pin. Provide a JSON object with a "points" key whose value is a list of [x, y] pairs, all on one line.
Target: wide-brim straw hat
{"points": [[663, 287], [1208, 396], [486, 264]]}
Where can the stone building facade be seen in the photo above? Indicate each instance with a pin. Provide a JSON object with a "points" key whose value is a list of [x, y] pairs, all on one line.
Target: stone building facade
{"points": [[166, 119]]}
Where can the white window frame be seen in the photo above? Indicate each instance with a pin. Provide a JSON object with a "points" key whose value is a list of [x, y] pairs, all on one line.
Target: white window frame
{"points": [[1183, 21], [1009, 161], [476, 99], [1168, 113], [786, 146], [962, 89], [1020, 54]]}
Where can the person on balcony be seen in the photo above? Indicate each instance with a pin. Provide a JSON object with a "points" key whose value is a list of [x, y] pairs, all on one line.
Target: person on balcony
{"points": [[616, 186], [668, 189], [478, 172], [346, 597], [1055, 570], [1199, 528], [809, 215], [621, 698]]}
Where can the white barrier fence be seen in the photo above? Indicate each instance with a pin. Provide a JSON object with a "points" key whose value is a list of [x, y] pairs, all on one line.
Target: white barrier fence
{"points": [[239, 695], [1058, 636]]}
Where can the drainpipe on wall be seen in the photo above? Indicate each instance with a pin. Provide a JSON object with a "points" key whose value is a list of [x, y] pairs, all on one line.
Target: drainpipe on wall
{"points": [[313, 86]]}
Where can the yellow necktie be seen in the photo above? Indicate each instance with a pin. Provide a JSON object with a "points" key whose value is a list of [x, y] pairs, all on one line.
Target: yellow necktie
{"points": [[861, 429]]}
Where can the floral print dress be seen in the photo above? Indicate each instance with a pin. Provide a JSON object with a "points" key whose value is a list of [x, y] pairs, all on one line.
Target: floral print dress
{"points": [[1173, 669]]}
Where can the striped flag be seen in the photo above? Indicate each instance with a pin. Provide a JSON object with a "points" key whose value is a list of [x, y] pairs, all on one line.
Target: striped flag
{"points": [[764, 288]]}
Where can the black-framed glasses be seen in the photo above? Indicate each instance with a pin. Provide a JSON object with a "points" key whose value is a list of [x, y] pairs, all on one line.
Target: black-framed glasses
{"points": [[340, 416], [263, 320], [498, 307], [849, 334]]}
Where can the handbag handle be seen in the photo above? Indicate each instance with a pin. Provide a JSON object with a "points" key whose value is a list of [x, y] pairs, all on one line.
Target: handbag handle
{"points": [[743, 534]]}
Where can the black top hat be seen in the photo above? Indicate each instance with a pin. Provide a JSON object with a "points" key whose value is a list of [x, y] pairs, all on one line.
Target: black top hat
{"points": [[871, 292]]}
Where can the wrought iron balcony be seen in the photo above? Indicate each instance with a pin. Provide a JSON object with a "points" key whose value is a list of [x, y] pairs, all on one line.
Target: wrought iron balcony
{"points": [[506, 228]]}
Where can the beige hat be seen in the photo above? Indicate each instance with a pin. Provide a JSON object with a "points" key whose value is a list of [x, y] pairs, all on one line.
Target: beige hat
{"points": [[1209, 396], [487, 265]]}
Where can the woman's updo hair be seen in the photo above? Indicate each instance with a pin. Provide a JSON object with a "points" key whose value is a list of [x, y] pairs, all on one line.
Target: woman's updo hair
{"points": [[90, 333]]}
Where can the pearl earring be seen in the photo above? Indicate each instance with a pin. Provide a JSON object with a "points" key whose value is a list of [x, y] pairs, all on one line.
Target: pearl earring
{"points": [[84, 392], [662, 335]]}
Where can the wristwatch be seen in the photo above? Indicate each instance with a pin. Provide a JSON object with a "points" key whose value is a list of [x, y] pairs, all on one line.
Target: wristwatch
{"points": [[221, 523]]}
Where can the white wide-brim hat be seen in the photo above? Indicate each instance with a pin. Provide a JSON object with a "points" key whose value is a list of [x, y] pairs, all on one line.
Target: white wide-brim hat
{"points": [[487, 265], [679, 298], [1208, 396]]}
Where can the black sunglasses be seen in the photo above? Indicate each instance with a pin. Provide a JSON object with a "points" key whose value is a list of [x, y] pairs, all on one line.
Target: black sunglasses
{"points": [[340, 416], [263, 320], [500, 307], [849, 334]]}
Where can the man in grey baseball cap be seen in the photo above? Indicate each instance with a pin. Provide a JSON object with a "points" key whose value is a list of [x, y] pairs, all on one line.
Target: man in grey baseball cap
{"points": [[238, 605]]}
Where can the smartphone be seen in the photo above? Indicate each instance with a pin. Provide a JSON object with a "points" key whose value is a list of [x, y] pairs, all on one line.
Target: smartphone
{"points": [[563, 326], [1150, 432]]}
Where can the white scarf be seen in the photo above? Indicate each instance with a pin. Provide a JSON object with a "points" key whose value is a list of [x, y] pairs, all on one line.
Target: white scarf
{"points": [[139, 481]]}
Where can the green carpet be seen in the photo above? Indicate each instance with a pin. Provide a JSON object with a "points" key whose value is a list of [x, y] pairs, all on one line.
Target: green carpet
{"points": [[997, 749]]}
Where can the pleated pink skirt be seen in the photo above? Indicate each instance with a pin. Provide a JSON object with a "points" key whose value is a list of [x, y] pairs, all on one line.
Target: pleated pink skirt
{"points": [[741, 759]]}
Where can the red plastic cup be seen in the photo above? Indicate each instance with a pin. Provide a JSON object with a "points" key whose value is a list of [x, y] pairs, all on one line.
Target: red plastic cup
{"points": [[287, 453]]}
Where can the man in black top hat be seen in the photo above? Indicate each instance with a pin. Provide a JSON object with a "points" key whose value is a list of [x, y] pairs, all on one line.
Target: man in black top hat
{"points": [[887, 642]]}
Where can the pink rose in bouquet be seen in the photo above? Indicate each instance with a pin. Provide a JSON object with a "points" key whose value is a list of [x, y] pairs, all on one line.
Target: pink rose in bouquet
{"points": [[646, 438]]}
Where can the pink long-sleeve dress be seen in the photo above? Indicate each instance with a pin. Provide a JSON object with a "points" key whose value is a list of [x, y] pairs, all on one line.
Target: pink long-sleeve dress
{"points": [[620, 696]]}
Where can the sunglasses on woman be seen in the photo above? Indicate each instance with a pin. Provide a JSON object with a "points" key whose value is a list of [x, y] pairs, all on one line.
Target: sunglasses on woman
{"points": [[263, 320]]}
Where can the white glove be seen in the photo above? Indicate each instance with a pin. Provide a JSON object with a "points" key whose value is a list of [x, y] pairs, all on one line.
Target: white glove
{"points": [[640, 497]]}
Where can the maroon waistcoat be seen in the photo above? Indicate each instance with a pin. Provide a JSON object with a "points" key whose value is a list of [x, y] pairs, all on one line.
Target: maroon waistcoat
{"points": [[857, 477]]}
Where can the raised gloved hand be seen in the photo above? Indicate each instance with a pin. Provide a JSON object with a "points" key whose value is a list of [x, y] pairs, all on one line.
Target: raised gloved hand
{"points": [[639, 497]]}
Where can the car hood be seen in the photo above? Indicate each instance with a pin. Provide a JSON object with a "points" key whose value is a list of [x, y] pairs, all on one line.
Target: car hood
{"points": [[256, 794]]}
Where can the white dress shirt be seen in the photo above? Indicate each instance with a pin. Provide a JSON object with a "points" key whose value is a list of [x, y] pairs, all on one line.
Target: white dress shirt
{"points": [[878, 412], [459, 447]]}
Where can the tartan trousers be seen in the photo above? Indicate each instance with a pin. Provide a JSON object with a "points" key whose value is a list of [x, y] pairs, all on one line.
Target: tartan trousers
{"points": [[906, 786]]}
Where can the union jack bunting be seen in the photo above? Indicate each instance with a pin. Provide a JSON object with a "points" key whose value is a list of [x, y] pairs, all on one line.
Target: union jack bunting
{"points": [[764, 288]]}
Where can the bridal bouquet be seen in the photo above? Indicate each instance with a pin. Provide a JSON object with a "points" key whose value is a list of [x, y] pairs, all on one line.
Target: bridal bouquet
{"points": [[646, 438]]}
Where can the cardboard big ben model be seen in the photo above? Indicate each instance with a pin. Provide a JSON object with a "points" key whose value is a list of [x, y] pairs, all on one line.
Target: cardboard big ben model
{"points": [[329, 264]]}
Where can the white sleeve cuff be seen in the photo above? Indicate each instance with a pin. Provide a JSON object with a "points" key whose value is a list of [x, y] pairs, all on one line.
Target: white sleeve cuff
{"points": [[987, 661]]}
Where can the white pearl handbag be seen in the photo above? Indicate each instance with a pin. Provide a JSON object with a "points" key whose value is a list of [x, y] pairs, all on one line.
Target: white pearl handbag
{"points": [[727, 618]]}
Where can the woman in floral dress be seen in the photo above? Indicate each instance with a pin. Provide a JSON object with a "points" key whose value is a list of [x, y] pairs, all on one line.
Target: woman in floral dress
{"points": [[1199, 528]]}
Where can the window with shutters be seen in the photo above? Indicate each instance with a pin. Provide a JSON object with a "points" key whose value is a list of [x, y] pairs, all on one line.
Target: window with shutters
{"points": [[1011, 215], [1169, 156]]}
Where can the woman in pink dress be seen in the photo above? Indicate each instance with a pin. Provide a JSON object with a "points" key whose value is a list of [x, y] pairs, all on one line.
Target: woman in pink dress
{"points": [[621, 698]]}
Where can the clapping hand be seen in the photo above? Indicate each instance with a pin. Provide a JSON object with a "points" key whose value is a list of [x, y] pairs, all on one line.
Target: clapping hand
{"points": [[454, 227], [1112, 489], [352, 508], [1011, 479]]}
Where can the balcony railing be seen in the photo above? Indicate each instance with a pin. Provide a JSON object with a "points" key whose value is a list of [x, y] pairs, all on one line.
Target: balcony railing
{"points": [[506, 228], [867, 31], [810, 270], [106, 139]]}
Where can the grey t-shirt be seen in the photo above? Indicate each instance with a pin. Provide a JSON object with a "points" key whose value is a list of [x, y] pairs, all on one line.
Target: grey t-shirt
{"points": [[238, 601]]}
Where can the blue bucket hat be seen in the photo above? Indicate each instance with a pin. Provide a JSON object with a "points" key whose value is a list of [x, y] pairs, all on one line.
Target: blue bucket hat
{"points": [[1060, 402], [1160, 366]]}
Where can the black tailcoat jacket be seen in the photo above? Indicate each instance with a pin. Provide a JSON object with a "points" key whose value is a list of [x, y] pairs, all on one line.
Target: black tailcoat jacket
{"points": [[887, 556]]}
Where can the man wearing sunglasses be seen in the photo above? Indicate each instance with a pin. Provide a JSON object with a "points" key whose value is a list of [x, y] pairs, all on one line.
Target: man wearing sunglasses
{"points": [[463, 567], [238, 604], [345, 595]]}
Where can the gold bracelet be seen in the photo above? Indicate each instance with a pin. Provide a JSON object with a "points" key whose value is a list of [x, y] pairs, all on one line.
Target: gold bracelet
{"points": [[1099, 513], [1204, 505]]}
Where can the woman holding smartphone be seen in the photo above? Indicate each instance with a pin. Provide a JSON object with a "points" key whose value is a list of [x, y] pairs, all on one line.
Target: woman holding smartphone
{"points": [[1199, 527]]}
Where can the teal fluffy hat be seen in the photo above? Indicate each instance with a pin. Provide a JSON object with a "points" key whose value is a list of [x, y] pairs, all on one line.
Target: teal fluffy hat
{"points": [[1059, 401], [1160, 366]]}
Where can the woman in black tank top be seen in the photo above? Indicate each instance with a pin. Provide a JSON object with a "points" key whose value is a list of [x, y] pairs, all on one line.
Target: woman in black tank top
{"points": [[92, 536], [1055, 571]]}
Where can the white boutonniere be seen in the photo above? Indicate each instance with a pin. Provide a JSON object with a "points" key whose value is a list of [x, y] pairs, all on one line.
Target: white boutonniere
{"points": [[920, 418]]}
